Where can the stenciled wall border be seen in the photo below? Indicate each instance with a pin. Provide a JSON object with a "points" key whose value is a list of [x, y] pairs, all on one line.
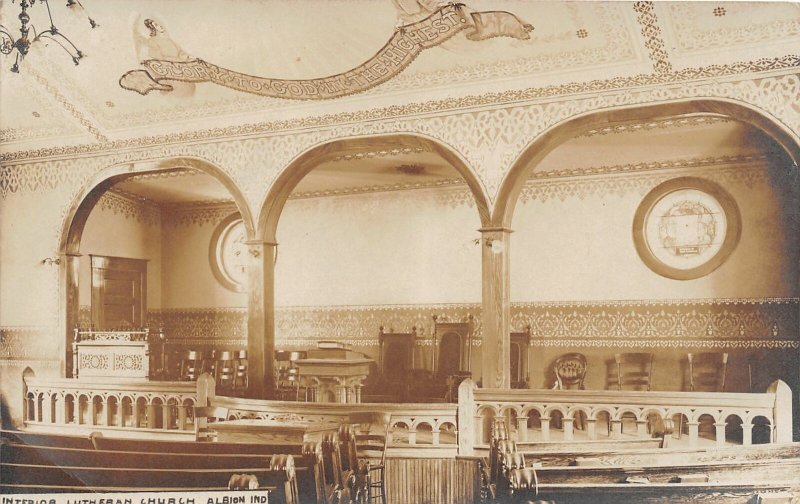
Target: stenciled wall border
{"points": [[695, 323]]}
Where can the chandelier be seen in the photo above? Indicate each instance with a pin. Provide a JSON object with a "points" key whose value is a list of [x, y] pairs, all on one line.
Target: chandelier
{"points": [[8, 44]]}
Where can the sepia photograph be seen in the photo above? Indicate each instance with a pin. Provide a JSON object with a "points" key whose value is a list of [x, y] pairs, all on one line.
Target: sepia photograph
{"points": [[399, 252]]}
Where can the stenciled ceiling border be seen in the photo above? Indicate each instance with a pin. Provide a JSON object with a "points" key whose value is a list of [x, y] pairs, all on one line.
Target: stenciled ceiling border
{"points": [[745, 70]]}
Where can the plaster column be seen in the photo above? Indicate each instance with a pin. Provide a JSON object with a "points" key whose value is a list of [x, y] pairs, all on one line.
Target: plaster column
{"points": [[568, 428], [545, 428], [591, 428], [496, 308], [693, 433], [261, 319], [70, 269], [720, 437], [747, 434], [522, 428]]}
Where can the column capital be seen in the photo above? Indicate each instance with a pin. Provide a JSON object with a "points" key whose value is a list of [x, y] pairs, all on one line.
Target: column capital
{"points": [[498, 229], [260, 242]]}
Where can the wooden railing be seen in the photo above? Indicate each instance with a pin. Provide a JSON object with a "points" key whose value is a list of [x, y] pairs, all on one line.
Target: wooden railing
{"points": [[83, 406], [478, 407], [419, 426], [164, 409]]}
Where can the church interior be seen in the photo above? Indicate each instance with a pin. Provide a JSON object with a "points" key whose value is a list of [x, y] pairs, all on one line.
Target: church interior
{"points": [[401, 251]]}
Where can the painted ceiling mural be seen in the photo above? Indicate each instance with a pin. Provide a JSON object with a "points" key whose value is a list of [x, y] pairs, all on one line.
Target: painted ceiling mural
{"points": [[170, 63], [577, 47]]}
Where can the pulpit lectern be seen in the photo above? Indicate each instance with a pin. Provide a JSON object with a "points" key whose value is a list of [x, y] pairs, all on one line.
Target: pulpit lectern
{"points": [[334, 373]]}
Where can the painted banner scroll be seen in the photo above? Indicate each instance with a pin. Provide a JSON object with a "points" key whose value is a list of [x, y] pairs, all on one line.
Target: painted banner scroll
{"points": [[401, 49]]}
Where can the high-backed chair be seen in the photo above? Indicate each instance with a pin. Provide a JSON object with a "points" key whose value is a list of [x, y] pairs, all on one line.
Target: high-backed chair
{"points": [[452, 354], [520, 343], [191, 365], [396, 364], [205, 415], [707, 371], [634, 370], [452, 347]]}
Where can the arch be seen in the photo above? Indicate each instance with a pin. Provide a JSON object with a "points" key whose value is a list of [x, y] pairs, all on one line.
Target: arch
{"points": [[761, 429], [544, 143], [303, 164], [90, 194], [624, 410], [644, 413], [87, 198]]}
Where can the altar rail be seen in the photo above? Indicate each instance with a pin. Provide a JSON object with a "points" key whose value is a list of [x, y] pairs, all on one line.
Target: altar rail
{"points": [[80, 407], [478, 407], [430, 426]]}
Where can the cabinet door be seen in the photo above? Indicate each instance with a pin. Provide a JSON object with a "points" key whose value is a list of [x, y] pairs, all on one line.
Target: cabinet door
{"points": [[119, 287]]}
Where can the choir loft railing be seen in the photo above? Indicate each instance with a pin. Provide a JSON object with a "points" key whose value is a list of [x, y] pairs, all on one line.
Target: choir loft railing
{"points": [[82, 406], [478, 409]]}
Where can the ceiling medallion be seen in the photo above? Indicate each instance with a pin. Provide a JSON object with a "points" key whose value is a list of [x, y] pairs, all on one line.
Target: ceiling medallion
{"points": [[23, 44], [685, 228], [403, 47]]}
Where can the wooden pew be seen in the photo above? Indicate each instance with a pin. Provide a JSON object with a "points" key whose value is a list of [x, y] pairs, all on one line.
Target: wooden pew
{"points": [[196, 447], [589, 445], [690, 456], [525, 490], [716, 472], [41, 459], [662, 455], [39, 439]]}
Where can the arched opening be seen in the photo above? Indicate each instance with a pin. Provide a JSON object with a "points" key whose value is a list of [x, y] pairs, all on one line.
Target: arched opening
{"points": [[733, 429], [582, 200], [152, 244], [706, 430], [762, 430], [371, 232]]}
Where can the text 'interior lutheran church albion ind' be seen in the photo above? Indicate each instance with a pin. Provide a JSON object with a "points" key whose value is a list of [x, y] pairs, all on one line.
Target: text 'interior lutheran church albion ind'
{"points": [[401, 251]]}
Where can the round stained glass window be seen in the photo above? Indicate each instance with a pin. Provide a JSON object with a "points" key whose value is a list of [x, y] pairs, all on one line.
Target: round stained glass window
{"points": [[686, 228], [228, 253]]}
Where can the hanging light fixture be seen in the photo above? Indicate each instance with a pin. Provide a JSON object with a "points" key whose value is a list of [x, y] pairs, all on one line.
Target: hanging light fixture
{"points": [[8, 43]]}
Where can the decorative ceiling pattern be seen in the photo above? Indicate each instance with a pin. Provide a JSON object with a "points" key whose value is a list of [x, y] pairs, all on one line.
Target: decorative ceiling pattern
{"points": [[576, 47]]}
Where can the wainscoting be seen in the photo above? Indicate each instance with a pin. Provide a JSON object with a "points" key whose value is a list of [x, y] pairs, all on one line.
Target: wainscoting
{"points": [[433, 481]]}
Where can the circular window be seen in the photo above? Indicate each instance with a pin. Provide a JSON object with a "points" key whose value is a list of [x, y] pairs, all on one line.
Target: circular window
{"points": [[228, 253], [686, 228]]}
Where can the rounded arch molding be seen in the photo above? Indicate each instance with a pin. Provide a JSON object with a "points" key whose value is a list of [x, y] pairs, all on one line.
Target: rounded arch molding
{"points": [[83, 203], [539, 147], [81, 207], [304, 163]]}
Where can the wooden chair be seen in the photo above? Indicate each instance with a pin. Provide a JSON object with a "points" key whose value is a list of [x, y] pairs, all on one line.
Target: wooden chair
{"points": [[520, 343], [191, 365], [634, 370], [204, 415], [287, 379], [707, 371], [224, 370], [240, 379], [570, 371], [372, 436]]}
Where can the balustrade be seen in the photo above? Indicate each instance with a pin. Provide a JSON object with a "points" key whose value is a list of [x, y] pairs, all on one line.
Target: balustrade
{"points": [[721, 410], [166, 408], [418, 425], [81, 405]]}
